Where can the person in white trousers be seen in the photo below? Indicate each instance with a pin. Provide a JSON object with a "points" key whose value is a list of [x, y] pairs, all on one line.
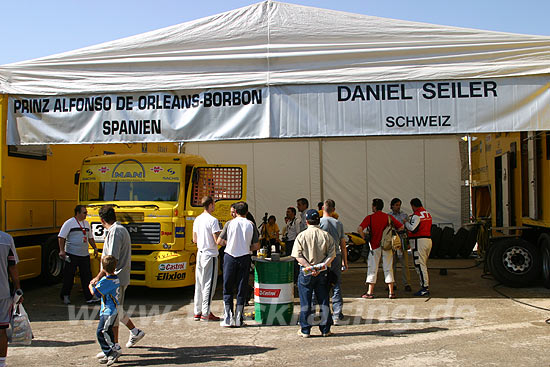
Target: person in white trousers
{"points": [[206, 229], [376, 223], [420, 229]]}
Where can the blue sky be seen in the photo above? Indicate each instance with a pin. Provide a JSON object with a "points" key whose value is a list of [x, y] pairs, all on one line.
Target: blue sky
{"points": [[36, 28]]}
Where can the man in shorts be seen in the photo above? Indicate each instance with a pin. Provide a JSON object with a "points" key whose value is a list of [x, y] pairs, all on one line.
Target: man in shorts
{"points": [[118, 244]]}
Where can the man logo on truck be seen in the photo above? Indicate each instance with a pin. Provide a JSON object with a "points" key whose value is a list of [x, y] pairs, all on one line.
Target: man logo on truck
{"points": [[129, 168]]}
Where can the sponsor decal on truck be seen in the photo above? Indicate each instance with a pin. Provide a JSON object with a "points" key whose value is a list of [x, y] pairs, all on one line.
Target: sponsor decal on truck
{"points": [[171, 276], [172, 266]]}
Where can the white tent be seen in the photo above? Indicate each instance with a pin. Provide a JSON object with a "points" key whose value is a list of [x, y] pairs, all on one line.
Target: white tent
{"points": [[274, 70], [273, 43]]}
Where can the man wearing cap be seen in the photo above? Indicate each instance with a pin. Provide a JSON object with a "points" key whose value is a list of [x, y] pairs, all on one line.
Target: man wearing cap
{"points": [[314, 249]]}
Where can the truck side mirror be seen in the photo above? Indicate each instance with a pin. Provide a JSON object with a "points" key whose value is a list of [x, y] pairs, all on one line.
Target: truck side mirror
{"points": [[76, 177]]}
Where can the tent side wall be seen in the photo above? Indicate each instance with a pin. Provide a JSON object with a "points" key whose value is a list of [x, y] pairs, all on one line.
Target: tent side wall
{"points": [[350, 171]]}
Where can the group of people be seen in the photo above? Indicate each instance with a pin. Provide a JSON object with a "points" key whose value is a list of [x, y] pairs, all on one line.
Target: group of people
{"points": [[316, 239], [414, 231], [311, 239], [239, 237], [317, 242]]}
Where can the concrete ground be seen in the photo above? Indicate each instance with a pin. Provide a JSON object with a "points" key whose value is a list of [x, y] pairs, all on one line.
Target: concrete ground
{"points": [[467, 321]]}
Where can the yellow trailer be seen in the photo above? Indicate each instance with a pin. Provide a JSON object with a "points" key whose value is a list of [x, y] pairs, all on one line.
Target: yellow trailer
{"points": [[510, 189], [38, 193]]}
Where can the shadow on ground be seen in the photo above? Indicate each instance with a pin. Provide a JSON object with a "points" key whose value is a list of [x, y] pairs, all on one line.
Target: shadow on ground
{"points": [[212, 355]]}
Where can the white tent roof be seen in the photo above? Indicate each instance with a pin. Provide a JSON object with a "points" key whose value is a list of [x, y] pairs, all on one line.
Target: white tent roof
{"points": [[273, 43]]}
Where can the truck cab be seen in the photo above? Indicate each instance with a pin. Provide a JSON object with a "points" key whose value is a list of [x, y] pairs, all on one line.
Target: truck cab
{"points": [[157, 197]]}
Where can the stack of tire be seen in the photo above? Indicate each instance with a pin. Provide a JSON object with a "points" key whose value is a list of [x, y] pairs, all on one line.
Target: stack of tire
{"points": [[436, 240], [447, 244]]}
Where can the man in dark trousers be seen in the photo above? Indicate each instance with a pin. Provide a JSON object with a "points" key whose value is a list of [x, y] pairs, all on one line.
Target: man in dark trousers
{"points": [[240, 237], [74, 237], [314, 249]]}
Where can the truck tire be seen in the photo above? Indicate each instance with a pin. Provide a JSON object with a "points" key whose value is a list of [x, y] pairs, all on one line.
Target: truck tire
{"points": [[52, 266], [467, 247], [436, 240], [515, 262], [459, 239], [544, 246], [446, 241]]}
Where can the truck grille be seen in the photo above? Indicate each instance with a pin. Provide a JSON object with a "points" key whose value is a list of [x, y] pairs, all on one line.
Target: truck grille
{"points": [[144, 233]]}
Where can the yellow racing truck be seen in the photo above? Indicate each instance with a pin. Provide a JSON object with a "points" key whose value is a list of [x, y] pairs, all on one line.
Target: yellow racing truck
{"points": [[511, 191], [157, 197]]}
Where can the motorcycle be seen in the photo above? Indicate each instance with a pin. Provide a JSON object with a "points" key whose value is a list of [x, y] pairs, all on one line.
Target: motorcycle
{"points": [[356, 247]]}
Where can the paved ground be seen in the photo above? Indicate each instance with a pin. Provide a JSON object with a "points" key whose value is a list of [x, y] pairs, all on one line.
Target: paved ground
{"points": [[466, 322]]}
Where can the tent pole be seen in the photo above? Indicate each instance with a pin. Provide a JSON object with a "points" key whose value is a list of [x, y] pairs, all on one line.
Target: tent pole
{"points": [[321, 183]]}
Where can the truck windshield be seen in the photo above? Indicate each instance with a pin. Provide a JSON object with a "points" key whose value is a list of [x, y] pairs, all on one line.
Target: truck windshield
{"points": [[129, 191]]}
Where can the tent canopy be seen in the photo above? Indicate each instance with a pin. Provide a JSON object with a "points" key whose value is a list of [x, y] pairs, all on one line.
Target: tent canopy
{"points": [[272, 43], [276, 70]]}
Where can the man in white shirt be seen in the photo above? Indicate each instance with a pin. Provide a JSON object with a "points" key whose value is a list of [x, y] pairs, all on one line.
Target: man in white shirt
{"points": [[73, 238], [292, 229], [302, 204], [240, 237], [206, 229]]}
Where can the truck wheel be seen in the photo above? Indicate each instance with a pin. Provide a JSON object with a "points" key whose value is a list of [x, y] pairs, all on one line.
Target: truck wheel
{"points": [[52, 266], [515, 262], [544, 246]]}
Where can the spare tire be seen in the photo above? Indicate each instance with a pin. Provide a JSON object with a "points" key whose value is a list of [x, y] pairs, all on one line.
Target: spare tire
{"points": [[544, 246], [446, 241], [436, 240], [467, 247], [515, 262], [460, 237]]}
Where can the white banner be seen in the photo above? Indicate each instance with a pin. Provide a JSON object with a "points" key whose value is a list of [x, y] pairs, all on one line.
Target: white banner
{"points": [[362, 109], [152, 117]]}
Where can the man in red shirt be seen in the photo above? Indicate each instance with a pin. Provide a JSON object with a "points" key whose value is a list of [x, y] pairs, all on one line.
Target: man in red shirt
{"points": [[420, 230], [375, 223]]}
